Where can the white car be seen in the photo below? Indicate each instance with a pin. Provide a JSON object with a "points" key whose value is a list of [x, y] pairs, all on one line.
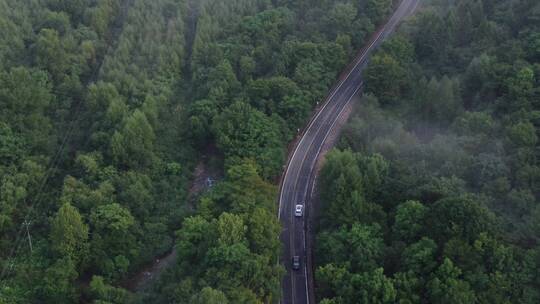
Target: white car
{"points": [[295, 262], [298, 211]]}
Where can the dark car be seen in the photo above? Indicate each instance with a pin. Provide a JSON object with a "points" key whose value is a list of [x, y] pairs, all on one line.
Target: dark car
{"points": [[296, 262]]}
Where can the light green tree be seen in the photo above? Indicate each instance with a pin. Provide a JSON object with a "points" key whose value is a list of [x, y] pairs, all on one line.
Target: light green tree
{"points": [[209, 295], [69, 234]]}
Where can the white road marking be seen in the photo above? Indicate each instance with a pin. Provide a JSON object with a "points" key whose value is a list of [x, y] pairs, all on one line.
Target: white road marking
{"points": [[393, 21]]}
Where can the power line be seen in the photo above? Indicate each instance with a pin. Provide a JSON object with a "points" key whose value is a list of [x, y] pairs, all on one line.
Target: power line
{"points": [[27, 224], [54, 163], [52, 166]]}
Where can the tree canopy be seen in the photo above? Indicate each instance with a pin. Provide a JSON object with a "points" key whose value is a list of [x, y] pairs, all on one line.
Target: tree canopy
{"points": [[440, 157]]}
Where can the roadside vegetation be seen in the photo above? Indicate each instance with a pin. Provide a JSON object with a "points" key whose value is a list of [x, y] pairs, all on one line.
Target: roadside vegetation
{"points": [[433, 194], [107, 105], [258, 69]]}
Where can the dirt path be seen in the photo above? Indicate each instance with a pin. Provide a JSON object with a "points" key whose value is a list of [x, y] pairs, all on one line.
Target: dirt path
{"points": [[147, 275], [144, 278], [191, 33]]}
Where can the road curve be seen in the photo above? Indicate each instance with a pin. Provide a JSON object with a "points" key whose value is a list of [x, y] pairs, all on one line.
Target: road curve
{"points": [[297, 182]]}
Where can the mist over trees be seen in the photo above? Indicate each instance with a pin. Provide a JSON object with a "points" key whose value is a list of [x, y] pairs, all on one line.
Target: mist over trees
{"points": [[433, 194]]}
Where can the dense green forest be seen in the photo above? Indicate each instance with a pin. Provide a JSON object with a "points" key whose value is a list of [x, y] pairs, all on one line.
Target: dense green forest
{"points": [[106, 106], [258, 68], [433, 194], [94, 156]]}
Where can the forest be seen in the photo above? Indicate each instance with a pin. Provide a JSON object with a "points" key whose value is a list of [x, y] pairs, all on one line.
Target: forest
{"points": [[93, 162], [107, 107], [257, 70], [432, 194]]}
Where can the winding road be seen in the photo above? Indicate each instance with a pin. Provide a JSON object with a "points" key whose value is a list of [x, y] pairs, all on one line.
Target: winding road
{"points": [[298, 180]]}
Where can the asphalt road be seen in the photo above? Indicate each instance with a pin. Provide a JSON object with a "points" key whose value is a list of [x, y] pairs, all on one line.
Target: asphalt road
{"points": [[300, 172]]}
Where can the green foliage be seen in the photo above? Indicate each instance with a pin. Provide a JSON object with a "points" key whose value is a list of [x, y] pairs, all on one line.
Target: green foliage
{"points": [[17, 184], [342, 16], [445, 146], [74, 8], [257, 71], [385, 75], [210, 296], [344, 183], [523, 134], [420, 257], [367, 287], [438, 102], [102, 104], [25, 96], [202, 113], [341, 165], [472, 123], [231, 229], [133, 145], [243, 132], [234, 251], [102, 16], [104, 293], [407, 287], [459, 217], [58, 282], [446, 286], [113, 244], [360, 247], [409, 220], [244, 189], [377, 10], [375, 170], [112, 217], [194, 239], [69, 234], [374, 287], [84, 113], [11, 146]]}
